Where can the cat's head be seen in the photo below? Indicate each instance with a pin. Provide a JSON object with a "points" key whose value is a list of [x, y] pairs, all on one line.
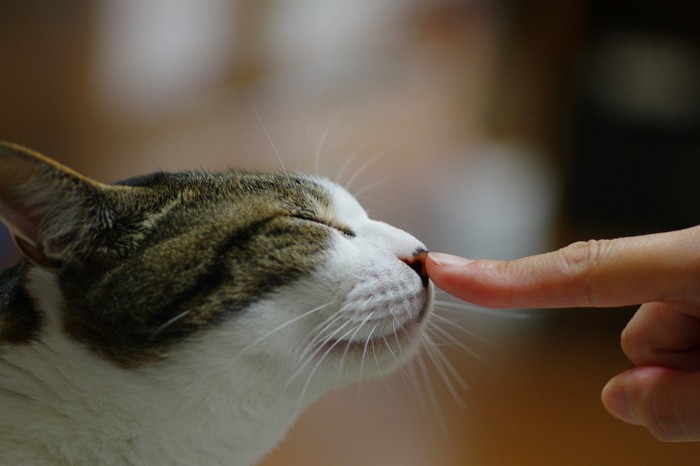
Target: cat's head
{"points": [[284, 271]]}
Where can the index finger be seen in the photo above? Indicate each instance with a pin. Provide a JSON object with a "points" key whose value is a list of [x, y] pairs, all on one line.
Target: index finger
{"points": [[596, 273]]}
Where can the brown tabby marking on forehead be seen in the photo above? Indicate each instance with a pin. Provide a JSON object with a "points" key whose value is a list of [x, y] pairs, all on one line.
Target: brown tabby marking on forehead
{"points": [[216, 243], [209, 274], [155, 259]]}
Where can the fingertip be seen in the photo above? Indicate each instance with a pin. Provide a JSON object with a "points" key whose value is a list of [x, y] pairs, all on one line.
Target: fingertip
{"points": [[616, 400], [663, 400], [452, 274], [621, 396], [442, 260], [443, 268]]}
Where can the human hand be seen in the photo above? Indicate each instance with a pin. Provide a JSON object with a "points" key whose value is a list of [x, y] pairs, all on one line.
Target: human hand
{"points": [[660, 271]]}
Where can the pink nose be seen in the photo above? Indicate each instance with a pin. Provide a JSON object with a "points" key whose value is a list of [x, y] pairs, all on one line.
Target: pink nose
{"points": [[417, 263]]}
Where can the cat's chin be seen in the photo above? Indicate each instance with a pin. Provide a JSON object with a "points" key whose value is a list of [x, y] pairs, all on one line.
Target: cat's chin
{"points": [[377, 354]]}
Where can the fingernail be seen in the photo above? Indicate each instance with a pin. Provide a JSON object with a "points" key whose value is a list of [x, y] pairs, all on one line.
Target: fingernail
{"points": [[617, 401], [448, 260]]}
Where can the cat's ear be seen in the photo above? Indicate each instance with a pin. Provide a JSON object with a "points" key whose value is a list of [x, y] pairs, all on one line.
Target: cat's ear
{"points": [[47, 207]]}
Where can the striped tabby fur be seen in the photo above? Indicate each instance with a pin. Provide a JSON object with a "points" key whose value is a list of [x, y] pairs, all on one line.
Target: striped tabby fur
{"points": [[187, 318]]}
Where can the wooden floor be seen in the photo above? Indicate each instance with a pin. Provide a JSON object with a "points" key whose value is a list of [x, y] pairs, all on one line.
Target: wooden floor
{"points": [[536, 404]]}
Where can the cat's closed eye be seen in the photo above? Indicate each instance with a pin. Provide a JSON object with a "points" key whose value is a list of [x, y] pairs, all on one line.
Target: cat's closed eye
{"points": [[344, 230]]}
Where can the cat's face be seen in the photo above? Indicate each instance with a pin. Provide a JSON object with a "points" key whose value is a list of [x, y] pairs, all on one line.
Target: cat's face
{"points": [[281, 272], [359, 312]]}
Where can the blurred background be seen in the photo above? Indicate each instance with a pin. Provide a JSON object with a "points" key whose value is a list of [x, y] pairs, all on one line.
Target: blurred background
{"points": [[486, 128]]}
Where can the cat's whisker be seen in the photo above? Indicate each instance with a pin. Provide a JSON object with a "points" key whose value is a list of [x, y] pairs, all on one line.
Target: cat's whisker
{"points": [[269, 138], [382, 376], [309, 354], [364, 351], [322, 143], [451, 368], [430, 391], [391, 351], [464, 308], [449, 338], [325, 324], [374, 201], [373, 185], [460, 328], [352, 338], [438, 359], [317, 348], [282, 326], [454, 373], [385, 379], [374, 353], [393, 330], [415, 386], [305, 388], [320, 330], [338, 177], [169, 322], [398, 342], [363, 167]]}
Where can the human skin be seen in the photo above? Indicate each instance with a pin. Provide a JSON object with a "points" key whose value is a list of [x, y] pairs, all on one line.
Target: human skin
{"points": [[660, 272]]}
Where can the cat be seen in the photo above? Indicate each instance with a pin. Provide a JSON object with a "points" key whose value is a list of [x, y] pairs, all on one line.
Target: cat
{"points": [[188, 318]]}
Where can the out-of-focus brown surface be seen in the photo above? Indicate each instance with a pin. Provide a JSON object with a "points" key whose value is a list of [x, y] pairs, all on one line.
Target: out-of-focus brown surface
{"points": [[537, 405], [555, 412], [479, 104]]}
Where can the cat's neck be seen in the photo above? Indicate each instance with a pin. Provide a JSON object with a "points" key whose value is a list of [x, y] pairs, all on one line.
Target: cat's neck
{"points": [[61, 403]]}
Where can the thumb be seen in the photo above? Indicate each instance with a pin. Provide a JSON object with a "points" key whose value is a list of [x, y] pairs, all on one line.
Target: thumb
{"points": [[665, 401]]}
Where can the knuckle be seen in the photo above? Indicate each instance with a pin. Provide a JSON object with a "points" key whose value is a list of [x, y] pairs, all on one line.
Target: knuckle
{"points": [[642, 339], [628, 340], [576, 263], [635, 342], [578, 259]]}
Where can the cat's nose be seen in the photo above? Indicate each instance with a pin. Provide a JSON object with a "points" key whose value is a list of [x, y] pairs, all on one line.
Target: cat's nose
{"points": [[417, 263]]}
